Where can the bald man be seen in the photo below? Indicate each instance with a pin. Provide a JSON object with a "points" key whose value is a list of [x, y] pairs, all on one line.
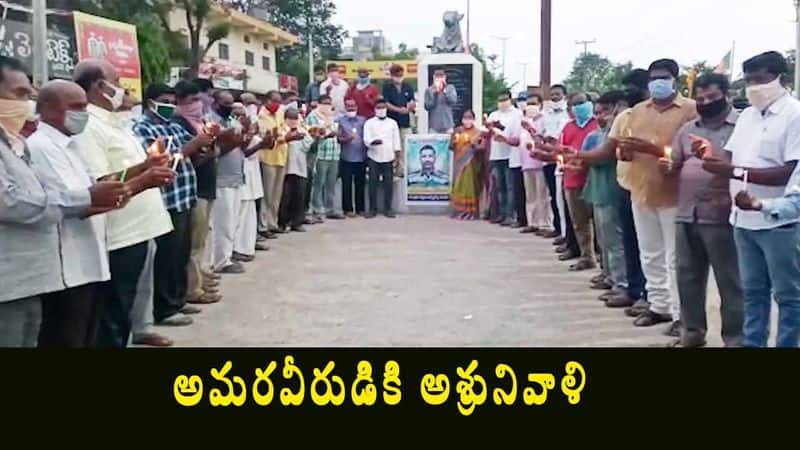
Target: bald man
{"points": [[111, 151], [251, 103]]}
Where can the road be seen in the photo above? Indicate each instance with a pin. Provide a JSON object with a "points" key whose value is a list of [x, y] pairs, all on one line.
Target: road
{"points": [[417, 281]]}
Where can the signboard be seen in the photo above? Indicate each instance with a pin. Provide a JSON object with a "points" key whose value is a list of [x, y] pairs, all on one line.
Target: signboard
{"points": [[16, 41], [113, 41], [428, 169], [223, 75], [460, 76], [378, 70]]}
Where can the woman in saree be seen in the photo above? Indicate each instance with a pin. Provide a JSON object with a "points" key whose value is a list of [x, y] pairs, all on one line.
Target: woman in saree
{"points": [[468, 149]]}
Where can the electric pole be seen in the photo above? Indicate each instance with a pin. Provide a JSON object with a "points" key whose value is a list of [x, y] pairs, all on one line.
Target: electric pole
{"points": [[524, 75], [586, 45], [504, 39], [40, 75], [546, 38]]}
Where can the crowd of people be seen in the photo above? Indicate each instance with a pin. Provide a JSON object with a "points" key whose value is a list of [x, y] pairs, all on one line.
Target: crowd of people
{"points": [[113, 222], [657, 190]]}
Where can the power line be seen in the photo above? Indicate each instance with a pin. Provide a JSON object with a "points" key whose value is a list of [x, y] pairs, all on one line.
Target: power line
{"points": [[586, 45]]}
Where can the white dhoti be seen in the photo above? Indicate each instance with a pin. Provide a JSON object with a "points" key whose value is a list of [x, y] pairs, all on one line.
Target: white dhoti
{"points": [[224, 217], [250, 193]]}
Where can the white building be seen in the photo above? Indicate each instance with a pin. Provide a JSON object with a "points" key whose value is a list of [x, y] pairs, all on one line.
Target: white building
{"points": [[245, 59], [364, 45]]}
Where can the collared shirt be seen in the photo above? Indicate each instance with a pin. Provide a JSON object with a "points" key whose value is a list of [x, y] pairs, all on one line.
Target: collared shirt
{"points": [[554, 122], [399, 97], [528, 161], [230, 166], [601, 188], [573, 136], [267, 121], [337, 94], [206, 172], [440, 108], [387, 131], [617, 129], [512, 121], [328, 148], [108, 146], [181, 195], [764, 140], [298, 157], [29, 216], [312, 92], [648, 122], [84, 255], [354, 150], [702, 196]]}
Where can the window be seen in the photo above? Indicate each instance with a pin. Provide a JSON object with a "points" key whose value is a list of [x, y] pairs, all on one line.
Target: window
{"points": [[223, 51], [249, 58], [265, 63], [266, 45], [246, 39]]}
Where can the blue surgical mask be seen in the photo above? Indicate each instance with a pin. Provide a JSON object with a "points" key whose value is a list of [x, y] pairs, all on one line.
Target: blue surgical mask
{"points": [[662, 89], [583, 112]]}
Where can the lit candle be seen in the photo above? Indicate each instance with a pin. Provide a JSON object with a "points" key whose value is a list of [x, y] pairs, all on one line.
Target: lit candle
{"points": [[124, 175], [560, 161], [176, 160], [744, 179], [668, 156]]}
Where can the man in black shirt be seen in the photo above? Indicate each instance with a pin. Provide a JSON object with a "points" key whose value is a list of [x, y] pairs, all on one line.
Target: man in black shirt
{"points": [[400, 98]]}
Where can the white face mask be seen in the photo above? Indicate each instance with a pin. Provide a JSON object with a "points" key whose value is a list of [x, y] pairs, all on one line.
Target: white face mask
{"points": [[381, 113], [117, 99], [352, 114], [76, 121], [763, 95]]}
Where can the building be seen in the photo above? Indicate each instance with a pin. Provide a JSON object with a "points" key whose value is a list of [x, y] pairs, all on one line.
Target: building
{"points": [[245, 59], [365, 44]]}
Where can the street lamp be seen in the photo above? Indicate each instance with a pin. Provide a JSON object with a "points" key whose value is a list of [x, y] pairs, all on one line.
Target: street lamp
{"points": [[505, 39]]}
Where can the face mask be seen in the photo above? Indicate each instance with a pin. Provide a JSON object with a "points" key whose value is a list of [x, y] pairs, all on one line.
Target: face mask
{"points": [[363, 80], [352, 114], [224, 111], [163, 110], [13, 115], [75, 121], [116, 99], [292, 105], [522, 105], [662, 89], [335, 77], [325, 110], [468, 123], [532, 111], [273, 106], [583, 112], [504, 105], [191, 111], [763, 95], [381, 113], [713, 109], [562, 105]]}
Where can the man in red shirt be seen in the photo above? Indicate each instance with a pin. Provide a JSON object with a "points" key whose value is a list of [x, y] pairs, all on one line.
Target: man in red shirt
{"points": [[364, 93], [583, 124]]}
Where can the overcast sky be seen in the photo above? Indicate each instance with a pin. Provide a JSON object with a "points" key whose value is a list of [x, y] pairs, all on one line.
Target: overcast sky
{"points": [[635, 30]]}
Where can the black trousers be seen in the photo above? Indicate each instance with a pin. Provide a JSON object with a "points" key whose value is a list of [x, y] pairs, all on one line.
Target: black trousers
{"points": [[70, 318], [518, 186], [381, 174], [170, 276], [550, 176], [637, 283], [126, 267], [293, 211], [353, 173]]}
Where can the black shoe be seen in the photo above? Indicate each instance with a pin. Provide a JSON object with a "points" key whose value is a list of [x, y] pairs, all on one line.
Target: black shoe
{"points": [[517, 226], [299, 229], [370, 215], [674, 330], [390, 215], [650, 318], [559, 241], [529, 230]]}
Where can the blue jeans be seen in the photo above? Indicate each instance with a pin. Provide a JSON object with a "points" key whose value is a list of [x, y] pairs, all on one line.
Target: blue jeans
{"points": [[504, 189], [323, 194], [633, 264], [769, 262], [609, 236]]}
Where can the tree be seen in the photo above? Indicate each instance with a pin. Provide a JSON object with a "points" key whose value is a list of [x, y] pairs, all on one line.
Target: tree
{"points": [[301, 18], [595, 73], [700, 69], [493, 85]]}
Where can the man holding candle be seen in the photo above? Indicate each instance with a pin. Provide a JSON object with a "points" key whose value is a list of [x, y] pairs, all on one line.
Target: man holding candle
{"points": [[273, 165], [439, 101], [556, 117], [704, 236], [325, 130], [400, 100], [354, 159], [173, 249], [504, 126], [651, 128], [765, 148]]}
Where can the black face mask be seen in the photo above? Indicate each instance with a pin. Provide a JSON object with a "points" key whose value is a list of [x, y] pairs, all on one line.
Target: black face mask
{"points": [[634, 97], [713, 109], [224, 111]]}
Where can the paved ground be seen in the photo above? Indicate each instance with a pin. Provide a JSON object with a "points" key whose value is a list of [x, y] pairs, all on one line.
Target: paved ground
{"points": [[414, 281]]}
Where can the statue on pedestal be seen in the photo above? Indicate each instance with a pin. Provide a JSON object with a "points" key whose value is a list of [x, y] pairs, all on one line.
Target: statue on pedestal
{"points": [[451, 40]]}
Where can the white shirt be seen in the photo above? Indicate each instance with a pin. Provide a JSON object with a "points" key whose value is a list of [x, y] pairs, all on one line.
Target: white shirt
{"points": [[108, 146], [385, 130], [338, 93], [512, 121], [762, 141], [297, 163], [554, 122], [83, 252]]}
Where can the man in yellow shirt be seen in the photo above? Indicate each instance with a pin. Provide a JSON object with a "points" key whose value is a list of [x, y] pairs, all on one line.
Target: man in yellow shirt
{"points": [[273, 165], [647, 137]]}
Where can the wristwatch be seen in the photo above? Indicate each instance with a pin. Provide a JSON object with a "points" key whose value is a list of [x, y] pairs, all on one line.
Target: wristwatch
{"points": [[738, 173]]}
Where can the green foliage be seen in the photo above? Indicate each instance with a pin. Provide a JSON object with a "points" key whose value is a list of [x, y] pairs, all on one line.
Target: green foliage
{"points": [[493, 85], [595, 73]]}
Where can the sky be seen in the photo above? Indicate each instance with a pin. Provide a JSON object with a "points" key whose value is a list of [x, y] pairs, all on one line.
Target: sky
{"points": [[625, 30]]}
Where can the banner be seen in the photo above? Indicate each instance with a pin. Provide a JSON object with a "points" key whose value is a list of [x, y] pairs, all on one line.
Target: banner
{"points": [[224, 76], [428, 169], [378, 70], [16, 41], [100, 38]]}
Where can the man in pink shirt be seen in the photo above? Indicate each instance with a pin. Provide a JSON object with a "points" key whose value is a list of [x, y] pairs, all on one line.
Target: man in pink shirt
{"points": [[537, 197]]}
